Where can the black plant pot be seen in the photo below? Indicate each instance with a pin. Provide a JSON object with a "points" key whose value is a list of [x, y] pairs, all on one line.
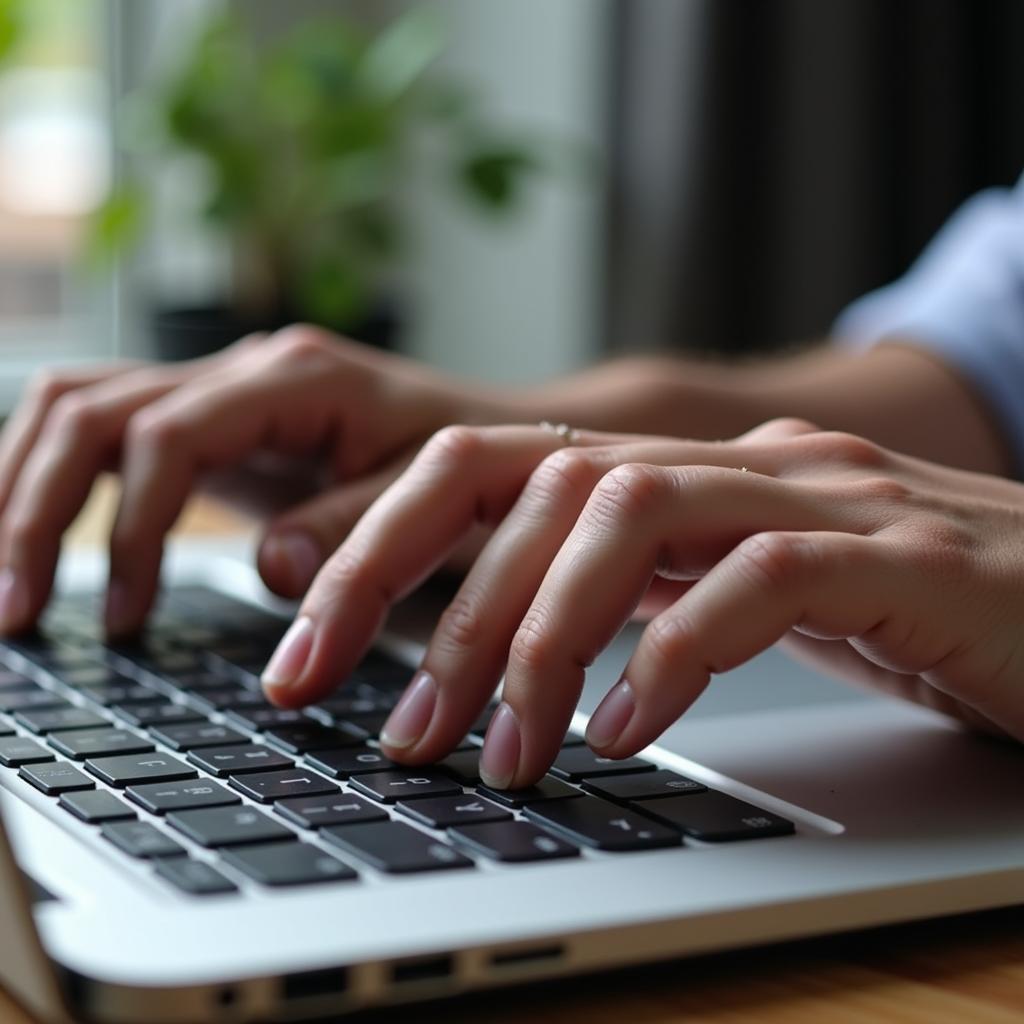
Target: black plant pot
{"points": [[180, 334]]}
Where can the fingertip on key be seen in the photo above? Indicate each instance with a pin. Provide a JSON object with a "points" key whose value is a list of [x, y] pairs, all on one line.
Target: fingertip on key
{"points": [[287, 662]]}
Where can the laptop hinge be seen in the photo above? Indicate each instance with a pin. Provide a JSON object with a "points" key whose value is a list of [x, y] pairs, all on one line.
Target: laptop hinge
{"points": [[26, 972]]}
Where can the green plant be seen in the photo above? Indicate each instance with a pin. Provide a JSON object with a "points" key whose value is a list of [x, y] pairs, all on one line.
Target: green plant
{"points": [[306, 143]]}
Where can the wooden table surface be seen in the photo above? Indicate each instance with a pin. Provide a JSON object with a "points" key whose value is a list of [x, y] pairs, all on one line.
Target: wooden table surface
{"points": [[950, 971]]}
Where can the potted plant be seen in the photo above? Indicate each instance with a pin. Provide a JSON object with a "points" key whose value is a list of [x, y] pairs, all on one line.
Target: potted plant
{"points": [[305, 143]]}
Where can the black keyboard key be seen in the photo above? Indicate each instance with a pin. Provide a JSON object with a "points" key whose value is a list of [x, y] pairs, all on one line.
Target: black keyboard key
{"points": [[96, 807], [12, 682], [717, 817], [228, 696], [349, 761], [463, 765], [512, 841], [547, 789], [288, 864], [258, 719], [43, 722], [95, 675], [15, 751], [194, 877], [362, 727], [573, 739], [54, 778], [134, 769], [266, 787], [409, 783], [164, 797], [199, 682], [581, 762], [602, 825], [229, 826], [150, 714], [85, 743], [128, 692], [442, 811], [395, 848], [36, 699], [321, 811], [645, 786], [345, 704], [302, 738], [140, 839], [225, 761], [196, 735], [6, 728]]}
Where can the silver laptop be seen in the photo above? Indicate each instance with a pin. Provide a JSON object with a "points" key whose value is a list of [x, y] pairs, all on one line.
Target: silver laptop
{"points": [[174, 850]]}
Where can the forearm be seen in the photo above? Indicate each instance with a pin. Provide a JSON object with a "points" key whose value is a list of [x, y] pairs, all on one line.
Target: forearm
{"points": [[897, 395]]}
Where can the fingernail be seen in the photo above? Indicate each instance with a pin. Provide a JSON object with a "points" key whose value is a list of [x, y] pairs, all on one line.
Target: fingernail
{"points": [[117, 612], [14, 600], [500, 757], [409, 721], [612, 716], [291, 655], [295, 556]]}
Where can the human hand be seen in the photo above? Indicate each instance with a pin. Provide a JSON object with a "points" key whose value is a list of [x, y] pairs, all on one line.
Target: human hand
{"points": [[295, 413], [897, 573]]}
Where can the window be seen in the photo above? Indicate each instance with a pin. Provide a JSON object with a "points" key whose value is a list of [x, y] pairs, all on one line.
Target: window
{"points": [[55, 165]]}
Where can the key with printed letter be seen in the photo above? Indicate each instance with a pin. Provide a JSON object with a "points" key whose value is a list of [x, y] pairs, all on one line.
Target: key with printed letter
{"points": [[395, 848], [389, 787], [196, 736], [229, 826], [341, 764], [321, 811], [266, 787], [225, 761], [79, 745], [602, 825], [163, 797], [129, 769], [717, 817]]}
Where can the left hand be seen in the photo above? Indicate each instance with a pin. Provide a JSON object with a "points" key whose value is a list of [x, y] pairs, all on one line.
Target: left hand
{"points": [[895, 572]]}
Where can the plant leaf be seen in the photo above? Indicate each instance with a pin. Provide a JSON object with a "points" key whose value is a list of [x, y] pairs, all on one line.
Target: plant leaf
{"points": [[401, 53], [115, 225]]}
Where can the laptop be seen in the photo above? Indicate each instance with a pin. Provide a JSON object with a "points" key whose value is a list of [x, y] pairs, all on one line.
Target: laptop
{"points": [[172, 849]]}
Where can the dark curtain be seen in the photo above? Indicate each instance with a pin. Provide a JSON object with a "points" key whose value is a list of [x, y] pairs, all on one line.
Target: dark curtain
{"points": [[773, 159]]}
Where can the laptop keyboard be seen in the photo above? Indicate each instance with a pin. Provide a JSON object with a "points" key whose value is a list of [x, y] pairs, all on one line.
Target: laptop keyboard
{"points": [[167, 747]]}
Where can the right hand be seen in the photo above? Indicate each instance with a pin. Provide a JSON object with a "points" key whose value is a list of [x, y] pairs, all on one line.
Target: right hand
{"points": [[297, 412]]}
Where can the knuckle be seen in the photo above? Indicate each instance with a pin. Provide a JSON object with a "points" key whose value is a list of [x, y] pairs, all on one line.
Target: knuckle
{"points": [[784, 427], [772, 559], [72, 416], [454, 446], [627, 493], [849, 449], [532, 645], [882, 489], [567, 474], [46, 386], [301, 344], [461, 625], [150, 429], [666, 640]]}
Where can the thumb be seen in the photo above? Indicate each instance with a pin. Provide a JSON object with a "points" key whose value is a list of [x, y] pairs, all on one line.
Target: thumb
{"points": [[300, 540]]}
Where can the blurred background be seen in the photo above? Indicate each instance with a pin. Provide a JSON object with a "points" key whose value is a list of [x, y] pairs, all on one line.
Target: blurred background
{"points": [[506, 189]]}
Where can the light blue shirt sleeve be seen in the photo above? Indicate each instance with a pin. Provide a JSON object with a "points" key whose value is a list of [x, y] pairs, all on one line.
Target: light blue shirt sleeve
{"points": [[964, 300]]}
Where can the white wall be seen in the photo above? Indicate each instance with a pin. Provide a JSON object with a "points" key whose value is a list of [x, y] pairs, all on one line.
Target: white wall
{"points": [[518, 301]]}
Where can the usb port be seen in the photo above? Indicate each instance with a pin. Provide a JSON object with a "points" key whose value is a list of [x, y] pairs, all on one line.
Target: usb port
{"points": [[422, 969]]}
